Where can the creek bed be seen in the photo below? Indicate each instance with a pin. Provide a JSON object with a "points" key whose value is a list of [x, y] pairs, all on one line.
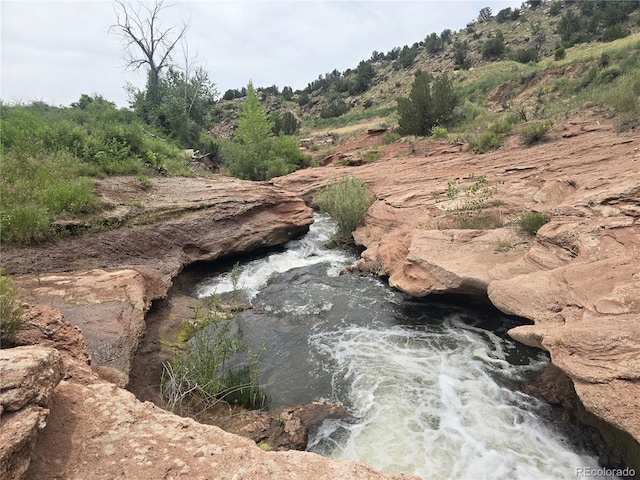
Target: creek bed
{"points": [[432, 384]]}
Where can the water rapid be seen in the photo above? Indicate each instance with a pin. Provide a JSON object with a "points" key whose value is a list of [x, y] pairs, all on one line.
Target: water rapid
{"points": [[429, 383]]}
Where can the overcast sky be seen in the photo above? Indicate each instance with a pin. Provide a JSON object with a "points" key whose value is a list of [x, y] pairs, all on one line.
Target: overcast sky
{"points": [[54, 51]]}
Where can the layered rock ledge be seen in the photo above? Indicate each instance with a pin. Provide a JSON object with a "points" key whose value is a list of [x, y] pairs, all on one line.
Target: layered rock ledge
{"points": [[104, 283], [578, 279]]}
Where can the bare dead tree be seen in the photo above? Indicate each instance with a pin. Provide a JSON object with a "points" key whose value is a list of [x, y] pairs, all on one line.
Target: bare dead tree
{"points": [[147, 42]]}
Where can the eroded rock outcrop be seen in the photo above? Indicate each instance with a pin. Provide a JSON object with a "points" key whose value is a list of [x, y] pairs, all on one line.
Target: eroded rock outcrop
{"points": [[28, 376], [105, 282], [578, 279]]}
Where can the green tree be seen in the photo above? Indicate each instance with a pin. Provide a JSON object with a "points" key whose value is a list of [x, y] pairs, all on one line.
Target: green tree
{"points": [[430, 103], [494, 46], [287, 93], [363, 75], [406, 58], [184, 102], [485, 14], [334, 107], [433, 43], [460, 50], [254, 154], [253, 122], [303, 98], [147, 44]]}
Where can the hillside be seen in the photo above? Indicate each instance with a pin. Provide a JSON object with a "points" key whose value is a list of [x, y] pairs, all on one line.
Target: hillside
{"points": [[526, 33]]}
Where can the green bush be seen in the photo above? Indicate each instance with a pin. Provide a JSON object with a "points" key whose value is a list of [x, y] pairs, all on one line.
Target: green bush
{"points": [[334, 107], [609, 74], [614, 32], [535, 132], [471, 210], [505, 125], [525, 55], [391, 137], [255, 155], [532, 221], [10, 310], [346, 200], [559, 54], [216, 365], [431, 103], [439, 132], [486, 142], [494, 46]]}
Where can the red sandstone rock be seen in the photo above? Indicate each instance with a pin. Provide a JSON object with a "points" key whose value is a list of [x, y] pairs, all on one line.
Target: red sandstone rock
{"points": [[578, 279], [28, 376]]}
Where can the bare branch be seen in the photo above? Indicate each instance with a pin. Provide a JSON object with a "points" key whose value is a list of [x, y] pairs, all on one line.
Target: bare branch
{"points": [[146, 42]]}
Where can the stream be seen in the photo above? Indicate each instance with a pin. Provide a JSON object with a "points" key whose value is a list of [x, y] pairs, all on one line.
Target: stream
{"points": [[430, 383]]}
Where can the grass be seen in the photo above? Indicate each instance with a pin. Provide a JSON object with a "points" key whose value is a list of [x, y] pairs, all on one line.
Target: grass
{"points": [[213, 366], [10, 310], [532, 221], [37, 190], [503, 246], [348, 118], [346, 200], [50, 157]]}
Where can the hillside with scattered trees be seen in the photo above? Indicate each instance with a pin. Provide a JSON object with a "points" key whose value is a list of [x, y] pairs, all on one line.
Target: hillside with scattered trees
{"points": [[505, 72]]}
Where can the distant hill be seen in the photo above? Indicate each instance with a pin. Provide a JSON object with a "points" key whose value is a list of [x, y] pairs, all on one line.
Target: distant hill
{"points": [[511, 45]]}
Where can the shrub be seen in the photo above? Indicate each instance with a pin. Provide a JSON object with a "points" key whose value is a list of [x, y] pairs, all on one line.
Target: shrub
{"points": [[505, 125], [216, 365], [346, 200], [525, 55], [559, 54], [535, 132], [614, 32], [10, 310], [486, 142], [439, 132], [609, 74], [303, 98], [532, 221], [334, 107], [391, 137], [493, 47], [470, 211], [431, 102]]}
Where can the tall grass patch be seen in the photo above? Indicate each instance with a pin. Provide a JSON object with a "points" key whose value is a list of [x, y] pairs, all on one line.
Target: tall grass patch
{"points": [[214, 366], [346, 200], [10, 310], [35, 191], [50, 155]]}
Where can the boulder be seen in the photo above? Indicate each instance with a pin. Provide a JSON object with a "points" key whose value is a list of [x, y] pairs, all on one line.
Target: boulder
{"points": [[28, 376]]}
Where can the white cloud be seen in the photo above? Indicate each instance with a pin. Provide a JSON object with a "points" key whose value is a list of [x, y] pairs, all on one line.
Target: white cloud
{"points": [[56, 50]]}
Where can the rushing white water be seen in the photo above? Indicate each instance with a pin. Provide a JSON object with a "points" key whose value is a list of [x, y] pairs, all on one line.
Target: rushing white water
{"points": [[308, 250], [428, 386], [430, 404]]}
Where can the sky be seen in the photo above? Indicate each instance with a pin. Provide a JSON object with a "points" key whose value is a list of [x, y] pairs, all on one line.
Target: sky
{"points": [[55, 51]]}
